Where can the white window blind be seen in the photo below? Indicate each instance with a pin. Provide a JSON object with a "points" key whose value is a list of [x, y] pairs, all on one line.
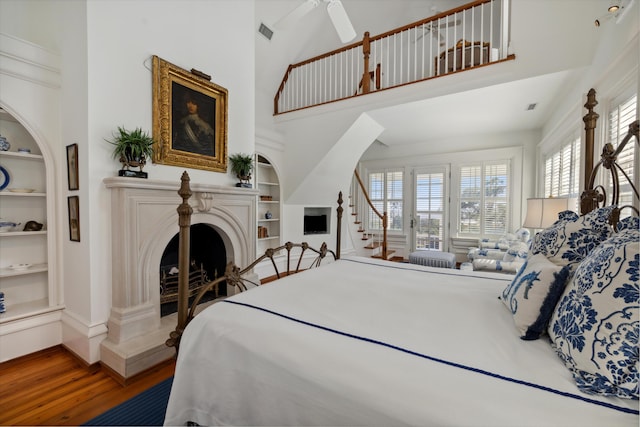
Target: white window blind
{"points": [[430, 200], [386, 195], [562, 170], [484, 198], [622, 114]]}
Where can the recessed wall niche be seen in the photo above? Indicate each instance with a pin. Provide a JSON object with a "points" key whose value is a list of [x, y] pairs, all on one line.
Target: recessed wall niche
{"points": [[317, 220]]}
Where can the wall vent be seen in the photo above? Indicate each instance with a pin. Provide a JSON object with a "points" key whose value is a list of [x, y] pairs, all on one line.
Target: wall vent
{"points": [[265, 31]]}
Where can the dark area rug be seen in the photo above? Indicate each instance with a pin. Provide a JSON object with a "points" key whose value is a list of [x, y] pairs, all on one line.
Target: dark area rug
{"points": [[145, 409]]}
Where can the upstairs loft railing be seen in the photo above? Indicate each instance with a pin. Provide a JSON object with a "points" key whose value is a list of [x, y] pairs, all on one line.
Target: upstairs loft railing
{"points": [[463, 38]]}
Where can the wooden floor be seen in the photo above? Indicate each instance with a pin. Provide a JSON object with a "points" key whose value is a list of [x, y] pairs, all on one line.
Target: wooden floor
{"points": [[52, 387]]}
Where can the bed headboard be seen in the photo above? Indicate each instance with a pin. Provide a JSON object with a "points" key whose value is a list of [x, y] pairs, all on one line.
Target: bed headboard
{"points": [[595, 196]]}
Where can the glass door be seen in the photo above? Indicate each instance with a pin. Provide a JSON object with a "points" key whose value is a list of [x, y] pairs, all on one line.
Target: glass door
{"points": [[430, 218]]}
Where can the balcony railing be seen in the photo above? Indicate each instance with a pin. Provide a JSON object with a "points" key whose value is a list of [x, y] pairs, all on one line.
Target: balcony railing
{"points": [[463, 38]]}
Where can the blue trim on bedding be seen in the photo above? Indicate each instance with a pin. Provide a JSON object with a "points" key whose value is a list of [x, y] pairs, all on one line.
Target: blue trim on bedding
{"points": [[435, 359], [445, 271]]}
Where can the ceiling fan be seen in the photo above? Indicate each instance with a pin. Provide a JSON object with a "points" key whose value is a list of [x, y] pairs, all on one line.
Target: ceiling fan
{"points": [[336, 12], [435, 29]]}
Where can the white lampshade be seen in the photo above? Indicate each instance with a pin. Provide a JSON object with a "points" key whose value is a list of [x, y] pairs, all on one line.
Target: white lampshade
{"points": [[541, 213]]}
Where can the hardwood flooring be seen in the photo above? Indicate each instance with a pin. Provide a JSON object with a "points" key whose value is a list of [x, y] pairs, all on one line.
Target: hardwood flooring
{"points": [[53, 387]]}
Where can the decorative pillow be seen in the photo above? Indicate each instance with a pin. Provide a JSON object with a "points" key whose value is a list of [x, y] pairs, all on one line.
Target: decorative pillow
{"points": [[518, 251], [595, 326], [475, 253], [533, 294], [630, 222], [523, 234], [568, 241], [497, 265]]}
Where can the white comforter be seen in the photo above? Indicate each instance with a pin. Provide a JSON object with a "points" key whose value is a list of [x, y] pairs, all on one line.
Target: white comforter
{"points": [[365, 342]]}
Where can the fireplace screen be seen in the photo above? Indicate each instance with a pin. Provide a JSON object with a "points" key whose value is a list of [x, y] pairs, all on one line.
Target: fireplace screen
{"points": [[208, 261]]}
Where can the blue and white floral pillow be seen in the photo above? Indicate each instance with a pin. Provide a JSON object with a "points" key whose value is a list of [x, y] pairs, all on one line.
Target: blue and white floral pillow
{"points": [[570, 239], [595, 326], [629, 223], [533, 294]]}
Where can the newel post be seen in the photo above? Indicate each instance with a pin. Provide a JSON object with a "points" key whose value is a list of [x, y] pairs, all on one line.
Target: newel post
{"points": [[366, 51]]}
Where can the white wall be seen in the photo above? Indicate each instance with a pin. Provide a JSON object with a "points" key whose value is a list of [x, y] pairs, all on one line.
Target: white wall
{"points": [[105, 48], [614, 70]]}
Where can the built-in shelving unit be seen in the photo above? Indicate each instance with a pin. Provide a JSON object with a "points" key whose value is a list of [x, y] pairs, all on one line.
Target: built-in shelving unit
{"points": [[26, 289], [268, 184]]}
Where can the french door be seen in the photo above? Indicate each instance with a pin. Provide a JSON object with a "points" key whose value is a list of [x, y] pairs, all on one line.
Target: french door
{"points": [[430, 222]]}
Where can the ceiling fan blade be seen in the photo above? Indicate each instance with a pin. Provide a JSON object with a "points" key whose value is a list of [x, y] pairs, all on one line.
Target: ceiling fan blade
{"points": [[296, 14], [449, 24], [341, 21]]}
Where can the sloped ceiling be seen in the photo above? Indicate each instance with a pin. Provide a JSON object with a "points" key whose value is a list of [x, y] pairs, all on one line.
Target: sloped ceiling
{"points": [[554, 41]]}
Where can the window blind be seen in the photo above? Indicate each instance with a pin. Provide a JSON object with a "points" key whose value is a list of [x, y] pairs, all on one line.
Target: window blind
{"points": [[562, 170], [484, 198], [620, 117]]}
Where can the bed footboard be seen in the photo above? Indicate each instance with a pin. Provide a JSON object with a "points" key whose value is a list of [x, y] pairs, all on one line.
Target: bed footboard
{"points": [[285, 260]]}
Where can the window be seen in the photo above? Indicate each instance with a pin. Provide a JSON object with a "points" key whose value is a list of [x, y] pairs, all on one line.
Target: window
{"points": [[385, 193], [622, 114], [484, 198], [429, 227], [562, 170]]}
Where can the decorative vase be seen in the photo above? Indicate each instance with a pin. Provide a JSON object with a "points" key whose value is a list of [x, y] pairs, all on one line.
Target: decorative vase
{"points": [[128, 161], [4, 144], [268, 215]]}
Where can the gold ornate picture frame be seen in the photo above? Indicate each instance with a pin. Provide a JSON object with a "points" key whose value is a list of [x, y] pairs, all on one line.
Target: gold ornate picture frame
{"points": [[189, 119]]}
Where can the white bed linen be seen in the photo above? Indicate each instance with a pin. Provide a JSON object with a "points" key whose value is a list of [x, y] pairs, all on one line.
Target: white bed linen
{"points": [[239, 365]]}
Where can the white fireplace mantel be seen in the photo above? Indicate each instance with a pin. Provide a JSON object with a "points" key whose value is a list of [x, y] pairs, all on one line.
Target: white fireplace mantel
{"points": [[144, 219]]}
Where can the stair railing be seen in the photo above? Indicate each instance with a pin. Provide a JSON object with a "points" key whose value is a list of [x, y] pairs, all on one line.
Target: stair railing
{"points": [[382, 216]]}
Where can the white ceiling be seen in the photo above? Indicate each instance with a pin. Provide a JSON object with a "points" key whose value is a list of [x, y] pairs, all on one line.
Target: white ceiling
{"points": [[492, 109], [496, 108]]}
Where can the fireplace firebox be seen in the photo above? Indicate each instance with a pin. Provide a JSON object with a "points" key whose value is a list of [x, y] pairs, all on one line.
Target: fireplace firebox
{"points": [[208, 261]]}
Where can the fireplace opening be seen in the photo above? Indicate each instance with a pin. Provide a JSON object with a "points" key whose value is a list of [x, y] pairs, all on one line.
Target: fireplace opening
{"points": [[208, 261]]}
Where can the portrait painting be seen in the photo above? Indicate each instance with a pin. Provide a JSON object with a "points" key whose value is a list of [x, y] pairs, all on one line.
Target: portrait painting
{"points": [[189, 118]]}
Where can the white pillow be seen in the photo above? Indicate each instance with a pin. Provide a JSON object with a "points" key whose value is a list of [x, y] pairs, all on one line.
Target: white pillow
{"points": [[532, 295]]}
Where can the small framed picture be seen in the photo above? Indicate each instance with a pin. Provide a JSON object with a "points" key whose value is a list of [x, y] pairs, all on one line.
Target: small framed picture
{"points": [[74, 218], [72, 167]]}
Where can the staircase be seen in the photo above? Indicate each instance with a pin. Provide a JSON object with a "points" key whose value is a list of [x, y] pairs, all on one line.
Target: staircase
{"points": [[374, 244]]}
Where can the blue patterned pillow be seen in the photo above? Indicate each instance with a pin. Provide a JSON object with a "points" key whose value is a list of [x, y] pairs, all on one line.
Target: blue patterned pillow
{"points": [[595, 326], [570, 239], [533, 294], [630, 222]]}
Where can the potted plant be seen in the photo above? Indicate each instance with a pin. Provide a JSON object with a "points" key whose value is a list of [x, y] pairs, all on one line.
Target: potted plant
{"points": [[132, 148], [242, 165]]}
